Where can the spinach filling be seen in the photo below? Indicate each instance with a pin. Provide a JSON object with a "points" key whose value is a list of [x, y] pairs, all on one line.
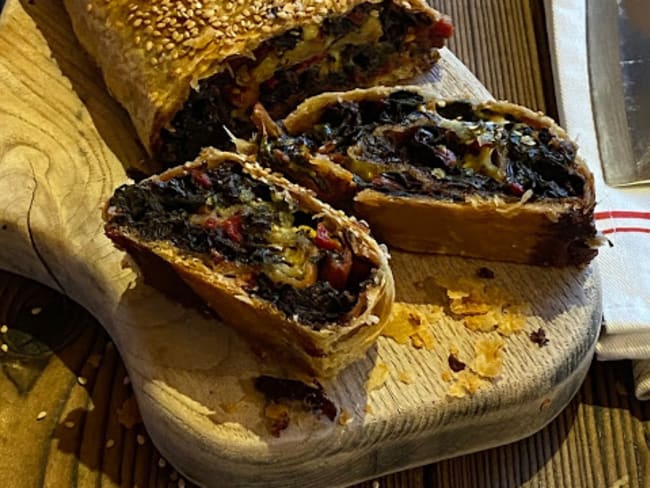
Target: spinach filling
{"points": [[280, 78], [244, 227], [402, 146]]}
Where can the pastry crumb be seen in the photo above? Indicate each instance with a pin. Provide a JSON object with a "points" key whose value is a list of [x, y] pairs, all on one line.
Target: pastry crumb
{"points": [[345, 417], [229, 407], [278, 416], [488, 360], [378, 377], [447, 376], [411, 323], [405, 377]]}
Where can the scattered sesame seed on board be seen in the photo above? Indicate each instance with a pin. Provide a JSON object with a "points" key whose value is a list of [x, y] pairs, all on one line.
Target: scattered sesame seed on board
{"points": [[181, 483], [41, 415], [110, 443], [140, 439], [69, 424], [4, 347], [4, 329], [162, 463], [36, 310], [82, 381]]}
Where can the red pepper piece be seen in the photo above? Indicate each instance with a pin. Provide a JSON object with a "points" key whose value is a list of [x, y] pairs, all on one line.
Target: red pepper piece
{"points": [[516, 189], [336, 269], [323, 239], [210, 223], [443, 28], [232, 226], [201, 179]]}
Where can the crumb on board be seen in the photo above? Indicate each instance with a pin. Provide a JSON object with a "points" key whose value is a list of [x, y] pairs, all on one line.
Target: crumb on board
{"points": [[485, 273], [129, 414], [345, 417], [229, 408], [455, 364], [488, 358], [485, 308], [278, 416], [539, 337], [447, 376], [411, 323], [466, 383], [377, 377], [405, 377]]}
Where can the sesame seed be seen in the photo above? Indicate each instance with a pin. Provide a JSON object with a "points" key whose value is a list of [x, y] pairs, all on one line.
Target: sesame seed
{"points": [[4, 347], [110, 443], [162, 463], [181, 483], [69, 424], [4, 329], [82, 381], [41, 415], [36, 310], [140, 439]]}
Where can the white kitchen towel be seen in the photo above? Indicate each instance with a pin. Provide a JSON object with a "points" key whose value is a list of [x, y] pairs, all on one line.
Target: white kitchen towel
{"points": [[623, 215]]}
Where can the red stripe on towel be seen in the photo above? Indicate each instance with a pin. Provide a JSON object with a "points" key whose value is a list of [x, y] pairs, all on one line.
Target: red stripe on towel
{"points": [[615, 230], [621, 214]]}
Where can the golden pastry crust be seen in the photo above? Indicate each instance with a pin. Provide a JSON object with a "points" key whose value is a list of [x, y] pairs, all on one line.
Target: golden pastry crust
{"points": [[152, 52], [546, 231], [323, 352]]}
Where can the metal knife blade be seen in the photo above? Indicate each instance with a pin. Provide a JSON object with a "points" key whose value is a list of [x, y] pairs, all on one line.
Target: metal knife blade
{"points": [[619, 64]]}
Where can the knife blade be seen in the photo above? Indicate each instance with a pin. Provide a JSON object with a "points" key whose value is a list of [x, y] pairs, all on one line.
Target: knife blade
{"points": [[619, 63]]}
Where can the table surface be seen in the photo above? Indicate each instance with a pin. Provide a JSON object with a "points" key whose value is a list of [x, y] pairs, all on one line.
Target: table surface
{"points": [[59, 359]]}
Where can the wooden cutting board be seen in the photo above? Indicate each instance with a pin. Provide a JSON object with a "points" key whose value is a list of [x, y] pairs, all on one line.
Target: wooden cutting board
{"points": [[64, 146]]}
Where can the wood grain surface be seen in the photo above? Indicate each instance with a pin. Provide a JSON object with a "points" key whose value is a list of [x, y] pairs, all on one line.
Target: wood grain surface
{"points": [[61, 365]]}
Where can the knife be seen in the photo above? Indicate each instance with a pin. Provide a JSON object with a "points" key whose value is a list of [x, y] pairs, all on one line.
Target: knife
{"points": [[619, 63]]}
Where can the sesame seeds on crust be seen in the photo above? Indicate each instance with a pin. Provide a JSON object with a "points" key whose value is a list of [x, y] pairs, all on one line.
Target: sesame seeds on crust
{"points": [[153, 52]]}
